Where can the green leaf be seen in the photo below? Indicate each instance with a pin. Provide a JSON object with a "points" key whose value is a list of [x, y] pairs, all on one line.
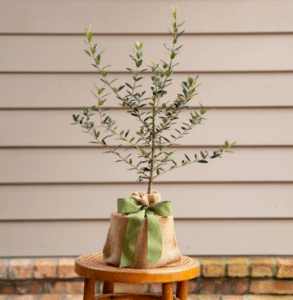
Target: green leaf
{"points": [[203, 161], [138, 63], [130, 70], [167, 47], [180, 33], [100, 91], [180, 24], [89, 36], [126, 134], [173, 54], [129, 85], [98, 134], [88, 53], [202, 154], [132, 139], [117, 147], [187, 157], [226, 144]]}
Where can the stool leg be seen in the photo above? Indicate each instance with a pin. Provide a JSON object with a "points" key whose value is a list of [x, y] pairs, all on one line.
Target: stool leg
{"points": [[167, 293], [108, 287], [89, 289], [181, 291]]}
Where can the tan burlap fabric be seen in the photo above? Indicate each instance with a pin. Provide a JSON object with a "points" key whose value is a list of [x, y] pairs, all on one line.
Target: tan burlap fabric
{"points": [[118, 222]]}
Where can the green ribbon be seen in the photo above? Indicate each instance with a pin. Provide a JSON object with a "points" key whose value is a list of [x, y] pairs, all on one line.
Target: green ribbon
{"points": [[137, 213]]}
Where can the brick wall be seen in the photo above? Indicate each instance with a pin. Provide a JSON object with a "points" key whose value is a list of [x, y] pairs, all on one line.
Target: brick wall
{"points": [[228, 278]]}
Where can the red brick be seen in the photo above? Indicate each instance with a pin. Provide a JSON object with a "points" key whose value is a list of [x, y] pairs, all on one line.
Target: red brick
{"points": [[20, 269], [45, 268], [7, 288], [75, 287], [2, 269], [262, 267], [22, 288], [285, 267], [35, 288], [241, 287], [208, 297], [28, 287], [213, 267], [192, 297], [231, 297], [207, 287], [74, 297], [24, 297], [224, 287], [121, 287], [66, 268], [237, 267], [3, 297], [268, 297], [156, 288], [50, 297], [59, 288], [271, 287]]}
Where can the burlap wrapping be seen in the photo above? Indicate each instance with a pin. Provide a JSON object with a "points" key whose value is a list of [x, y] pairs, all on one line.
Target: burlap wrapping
{"points": [[118, 223]]}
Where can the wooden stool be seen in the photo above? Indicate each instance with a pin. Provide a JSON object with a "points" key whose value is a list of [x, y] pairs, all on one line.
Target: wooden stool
{"points": [[92, 267]]}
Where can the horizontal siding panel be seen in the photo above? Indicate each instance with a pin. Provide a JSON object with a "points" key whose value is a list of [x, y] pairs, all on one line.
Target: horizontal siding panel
{"points": [[135, 16], [200, 53], [202, 200], [194, 237], [90, 165], [217, 90], [46, 128]]}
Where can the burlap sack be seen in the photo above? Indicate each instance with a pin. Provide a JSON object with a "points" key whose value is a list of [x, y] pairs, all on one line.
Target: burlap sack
{"points": [[118, 223]]}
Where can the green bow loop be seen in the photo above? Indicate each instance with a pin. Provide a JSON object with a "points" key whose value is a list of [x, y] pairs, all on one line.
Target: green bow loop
{"points": [[163, 209], [137, 213], [127, 206]]}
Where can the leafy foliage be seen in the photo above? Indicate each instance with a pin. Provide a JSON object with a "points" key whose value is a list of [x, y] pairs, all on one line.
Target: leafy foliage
{"points": [[155, 116]]}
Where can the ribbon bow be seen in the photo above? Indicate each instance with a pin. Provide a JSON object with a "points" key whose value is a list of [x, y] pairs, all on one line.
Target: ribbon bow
{"points": [[154, 233]]}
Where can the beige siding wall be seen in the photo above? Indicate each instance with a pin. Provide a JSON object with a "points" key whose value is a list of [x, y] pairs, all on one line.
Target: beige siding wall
{"points": [[57, 190]]}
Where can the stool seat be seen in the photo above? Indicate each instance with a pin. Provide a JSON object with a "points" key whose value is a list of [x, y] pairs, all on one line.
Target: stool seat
{"points": [[92, 267]]}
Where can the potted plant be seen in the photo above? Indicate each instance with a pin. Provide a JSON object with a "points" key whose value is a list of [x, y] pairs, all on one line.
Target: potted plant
{"points": [[151, 141]]}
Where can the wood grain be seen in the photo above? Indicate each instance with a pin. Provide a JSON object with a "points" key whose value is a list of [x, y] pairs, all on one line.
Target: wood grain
{"points": [[93, 266]]}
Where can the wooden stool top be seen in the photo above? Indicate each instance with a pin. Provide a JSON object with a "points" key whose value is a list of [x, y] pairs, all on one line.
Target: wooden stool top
{"points": [[93, 266]]}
